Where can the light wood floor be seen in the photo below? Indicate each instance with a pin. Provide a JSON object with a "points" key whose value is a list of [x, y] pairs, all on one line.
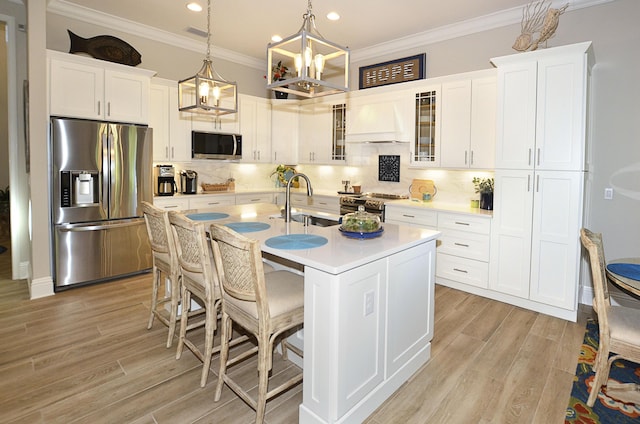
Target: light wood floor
{"points": [[85, 356]]}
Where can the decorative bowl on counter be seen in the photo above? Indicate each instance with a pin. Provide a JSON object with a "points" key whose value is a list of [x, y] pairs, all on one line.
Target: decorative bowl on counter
{"points": [[361, 224]]}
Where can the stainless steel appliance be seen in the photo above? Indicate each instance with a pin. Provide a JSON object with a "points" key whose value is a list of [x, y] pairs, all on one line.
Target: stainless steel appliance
{"points": [[100, 174], [188, 181], [372, 202], [165, 180], [208, 145]]}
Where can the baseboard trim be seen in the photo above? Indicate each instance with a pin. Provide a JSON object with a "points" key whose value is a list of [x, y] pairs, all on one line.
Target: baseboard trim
{"points": [[618, 297], [41, 287]]}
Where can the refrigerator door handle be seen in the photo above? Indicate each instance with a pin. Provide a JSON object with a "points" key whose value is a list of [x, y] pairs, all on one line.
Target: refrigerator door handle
{"points": [[105, 169], [92, 226]]}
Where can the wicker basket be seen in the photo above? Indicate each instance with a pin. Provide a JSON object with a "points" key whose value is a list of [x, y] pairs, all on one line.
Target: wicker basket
{"points": [[215, 187]]}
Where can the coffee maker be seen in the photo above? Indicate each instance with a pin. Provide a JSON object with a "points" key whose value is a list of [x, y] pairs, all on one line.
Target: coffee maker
{"points": [[188, 182], [165, 180]]}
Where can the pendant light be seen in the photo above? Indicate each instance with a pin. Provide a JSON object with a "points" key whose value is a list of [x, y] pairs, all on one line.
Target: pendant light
{"points": [[319, 66], [207, 92]]}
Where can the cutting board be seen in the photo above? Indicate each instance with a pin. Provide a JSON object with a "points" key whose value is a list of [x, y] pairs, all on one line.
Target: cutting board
{"points": [[419, 187]]}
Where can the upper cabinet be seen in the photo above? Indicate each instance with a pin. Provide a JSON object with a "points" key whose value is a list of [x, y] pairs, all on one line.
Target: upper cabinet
{"points": [[467, 126], [284, 131], [541, 109], [81, 87], [425, 146], [255, 127], [171, 128]]}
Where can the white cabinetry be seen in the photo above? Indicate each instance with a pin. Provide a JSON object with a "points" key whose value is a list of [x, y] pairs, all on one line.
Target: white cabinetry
{"points": [[315, 127], [284, 132], [542, 98], [467, 126], [255, 127], [171, 128], [209, 201], [539, 183], [81, 87], [248, 198], [463, 254], [426, 107], [414, 217], [171, 203]]}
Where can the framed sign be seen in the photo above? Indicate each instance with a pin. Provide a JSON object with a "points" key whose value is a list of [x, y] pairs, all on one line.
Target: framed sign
{"points": [[392, 72], [389, 168]]}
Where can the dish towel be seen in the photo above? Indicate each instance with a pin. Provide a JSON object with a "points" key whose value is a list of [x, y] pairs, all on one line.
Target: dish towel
{"points": [[631, 271]]}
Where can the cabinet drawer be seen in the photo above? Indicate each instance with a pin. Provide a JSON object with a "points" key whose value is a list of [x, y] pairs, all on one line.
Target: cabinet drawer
{"points": [[472, 224], [202, 202], [326, 204], [171, 204], [466, 245], [467, 271], [244, 199], [415, 217]]}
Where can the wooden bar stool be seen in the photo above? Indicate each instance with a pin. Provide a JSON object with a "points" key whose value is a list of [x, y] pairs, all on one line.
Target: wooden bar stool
{"points": [[165, 263], [265, 304]]}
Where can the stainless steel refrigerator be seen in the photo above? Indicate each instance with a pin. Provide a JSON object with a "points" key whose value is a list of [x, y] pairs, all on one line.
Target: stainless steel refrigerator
{"points": [[101, 172]]}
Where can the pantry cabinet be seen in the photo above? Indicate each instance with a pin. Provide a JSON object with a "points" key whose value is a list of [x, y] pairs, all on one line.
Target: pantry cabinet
{"points": [[539, 180], [81, 87], [542, 100], [255, 127]]}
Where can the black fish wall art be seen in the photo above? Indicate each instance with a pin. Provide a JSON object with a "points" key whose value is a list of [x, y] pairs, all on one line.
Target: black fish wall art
{"points": [[105, 47]]}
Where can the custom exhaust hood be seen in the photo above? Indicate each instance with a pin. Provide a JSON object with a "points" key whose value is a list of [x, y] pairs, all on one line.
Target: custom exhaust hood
{"points": [[382, 120]]}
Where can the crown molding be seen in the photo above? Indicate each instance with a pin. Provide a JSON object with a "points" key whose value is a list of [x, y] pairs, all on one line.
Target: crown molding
{"points": [[447, 32], [459, 29], [81, 13]]}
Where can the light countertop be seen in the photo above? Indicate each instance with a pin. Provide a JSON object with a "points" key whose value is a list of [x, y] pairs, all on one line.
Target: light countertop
{"points": [[437, 206], [339, 254]]}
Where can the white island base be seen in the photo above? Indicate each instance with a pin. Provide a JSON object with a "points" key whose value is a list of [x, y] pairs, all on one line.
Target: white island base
{"points": [[366, 332]]}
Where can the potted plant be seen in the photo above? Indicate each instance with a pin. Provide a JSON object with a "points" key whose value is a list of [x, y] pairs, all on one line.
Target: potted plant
{"points": [[279, 73], [283, 174], [484, 186]]}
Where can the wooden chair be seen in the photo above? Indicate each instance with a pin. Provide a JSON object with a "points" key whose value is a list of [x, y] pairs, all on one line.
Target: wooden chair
{"points": [[265, 304], [619, 327], [198, 279], [165, 263]]}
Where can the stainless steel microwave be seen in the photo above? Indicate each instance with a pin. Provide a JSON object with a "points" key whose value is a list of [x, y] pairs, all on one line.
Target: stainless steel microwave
{"points": [[207, 145]]}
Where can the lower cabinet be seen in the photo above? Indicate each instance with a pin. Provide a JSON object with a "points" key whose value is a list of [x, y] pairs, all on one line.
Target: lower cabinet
{"points": [[536, 246], [171, 203], [203, 201], [245, 199], [329, 204]]}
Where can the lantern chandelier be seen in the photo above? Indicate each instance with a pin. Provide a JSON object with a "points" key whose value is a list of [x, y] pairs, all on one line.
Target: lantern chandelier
{"points": [[321, 67], [207, 92]]}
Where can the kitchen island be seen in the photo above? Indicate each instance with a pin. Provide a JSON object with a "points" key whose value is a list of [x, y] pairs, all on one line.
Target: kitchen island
{"points": [[369, 308]]}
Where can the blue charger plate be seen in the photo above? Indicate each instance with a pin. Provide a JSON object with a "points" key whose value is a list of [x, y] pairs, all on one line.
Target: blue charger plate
{"points": [[248, 227], [207, 216], [296, 241], [631, 271]]}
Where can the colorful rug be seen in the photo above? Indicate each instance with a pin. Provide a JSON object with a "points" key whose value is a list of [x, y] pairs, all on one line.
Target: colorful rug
{"points": [[606, 410]]}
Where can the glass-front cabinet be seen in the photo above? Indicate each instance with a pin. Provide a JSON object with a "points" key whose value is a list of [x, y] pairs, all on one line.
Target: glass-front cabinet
{"points": [[426, 144], [339, 127]]}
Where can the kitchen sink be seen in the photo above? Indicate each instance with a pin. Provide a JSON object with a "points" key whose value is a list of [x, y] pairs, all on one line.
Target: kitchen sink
{"points": [[312, 219]]}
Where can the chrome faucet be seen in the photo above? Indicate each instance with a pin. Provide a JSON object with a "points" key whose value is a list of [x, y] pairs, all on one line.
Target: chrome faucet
{"points": [[287, 202]]}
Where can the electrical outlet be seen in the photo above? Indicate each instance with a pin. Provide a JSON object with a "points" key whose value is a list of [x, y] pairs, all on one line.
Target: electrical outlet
{"points": [[608, 193], [368, 303]]}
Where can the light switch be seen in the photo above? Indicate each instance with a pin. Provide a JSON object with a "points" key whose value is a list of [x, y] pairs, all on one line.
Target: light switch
{"points": [[608, 193]]}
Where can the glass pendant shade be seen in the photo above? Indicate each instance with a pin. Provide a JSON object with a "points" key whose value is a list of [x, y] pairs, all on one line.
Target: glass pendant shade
{"points": [[207, 92], [318, 67]]}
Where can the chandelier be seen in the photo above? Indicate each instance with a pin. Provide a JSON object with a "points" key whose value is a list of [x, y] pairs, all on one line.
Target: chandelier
{"points": [[207, 92], [321, 67]]}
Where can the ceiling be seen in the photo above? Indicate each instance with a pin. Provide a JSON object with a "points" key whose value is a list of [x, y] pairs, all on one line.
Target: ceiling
{"points": [[246, 26]]}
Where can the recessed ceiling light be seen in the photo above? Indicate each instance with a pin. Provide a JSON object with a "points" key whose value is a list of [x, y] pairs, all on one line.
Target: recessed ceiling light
{"points": [[276, 39], [333, 16], [194, 7]]}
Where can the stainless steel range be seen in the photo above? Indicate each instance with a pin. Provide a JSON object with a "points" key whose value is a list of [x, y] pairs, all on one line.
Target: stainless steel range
{"points": [[372, 202]]}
